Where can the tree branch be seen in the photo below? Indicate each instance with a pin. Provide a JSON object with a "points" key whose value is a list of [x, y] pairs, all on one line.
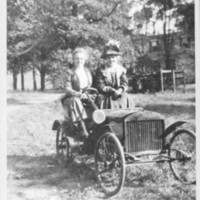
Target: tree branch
{"points": [[17, 54], [92, 19], [115, 6]]}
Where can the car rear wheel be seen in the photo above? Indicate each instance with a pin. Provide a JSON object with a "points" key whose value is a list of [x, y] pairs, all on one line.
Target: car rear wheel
{"points": [[182, 153], [109, 164]]}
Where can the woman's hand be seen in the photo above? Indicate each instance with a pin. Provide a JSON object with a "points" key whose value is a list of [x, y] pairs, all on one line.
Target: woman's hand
{"points": [[84, 96], [117, 94], [120, 91]]}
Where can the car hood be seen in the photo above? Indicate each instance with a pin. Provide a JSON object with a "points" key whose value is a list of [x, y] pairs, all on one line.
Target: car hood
{"points": [[131, 114]]}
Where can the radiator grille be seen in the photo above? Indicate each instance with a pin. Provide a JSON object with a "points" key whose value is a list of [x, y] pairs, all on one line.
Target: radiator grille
{"points": [[143, 135]]}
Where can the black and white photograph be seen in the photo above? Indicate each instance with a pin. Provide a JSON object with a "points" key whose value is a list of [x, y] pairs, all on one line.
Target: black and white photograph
{"points": [[101, 100]]}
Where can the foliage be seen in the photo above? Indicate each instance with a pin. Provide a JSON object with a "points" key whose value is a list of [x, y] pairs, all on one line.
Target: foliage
{"points": [[61, 61], [50, 25], [40, 30], [143, 16], [186, 20]]}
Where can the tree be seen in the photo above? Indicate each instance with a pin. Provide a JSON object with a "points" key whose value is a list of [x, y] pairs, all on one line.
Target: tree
{"points": [[185, 19], [78, 23], [143, 17], [19, 27], [163, 7], [40, 27]]}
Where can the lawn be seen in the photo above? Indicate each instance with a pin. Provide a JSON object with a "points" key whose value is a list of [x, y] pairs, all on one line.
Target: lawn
{"points": [[33, 172]]}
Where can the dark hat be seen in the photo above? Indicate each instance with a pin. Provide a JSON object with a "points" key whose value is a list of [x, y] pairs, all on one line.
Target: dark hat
{"points": [[111, 49], [110, 52]]}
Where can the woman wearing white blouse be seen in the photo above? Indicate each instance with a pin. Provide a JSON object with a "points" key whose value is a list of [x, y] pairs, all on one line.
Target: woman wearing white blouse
{"points": [[78, 78]]}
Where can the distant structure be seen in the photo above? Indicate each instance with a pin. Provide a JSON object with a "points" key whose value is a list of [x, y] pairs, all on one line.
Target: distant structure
{"points": [[160, 62]]}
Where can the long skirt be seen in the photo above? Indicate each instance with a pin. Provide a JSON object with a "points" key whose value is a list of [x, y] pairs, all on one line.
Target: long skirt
{"points": [[74, 109]]}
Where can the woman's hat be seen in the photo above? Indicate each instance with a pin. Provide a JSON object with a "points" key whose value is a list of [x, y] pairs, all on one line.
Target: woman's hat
{"points": [[112, 48]]}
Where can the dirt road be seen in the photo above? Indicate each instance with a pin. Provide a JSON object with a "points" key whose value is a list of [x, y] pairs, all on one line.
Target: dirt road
{"points": [[32, 169], [17, 100]]}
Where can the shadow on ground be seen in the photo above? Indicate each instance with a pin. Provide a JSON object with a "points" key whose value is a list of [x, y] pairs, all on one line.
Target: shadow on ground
{"points": [[16, 102], [44, 170]]}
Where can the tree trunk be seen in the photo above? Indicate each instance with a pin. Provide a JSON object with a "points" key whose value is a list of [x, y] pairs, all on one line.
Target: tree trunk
{"points": [[154, 30], [142, 44], [63, 7], [166, 43], [167, 52], [34, 80], [22, 78], [42, 81], [42, 76], [14, 76], [14, 81]]}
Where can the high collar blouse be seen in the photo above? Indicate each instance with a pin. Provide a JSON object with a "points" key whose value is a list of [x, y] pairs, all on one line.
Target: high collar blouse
{"points": [[76, 81]]}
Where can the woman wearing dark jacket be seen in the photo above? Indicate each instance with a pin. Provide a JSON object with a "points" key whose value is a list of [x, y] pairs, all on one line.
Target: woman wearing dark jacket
{"points": [[78, 78], [111, 80]]}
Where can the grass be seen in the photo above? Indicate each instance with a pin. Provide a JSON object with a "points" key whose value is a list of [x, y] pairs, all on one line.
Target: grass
{"points": [[33, 172]]}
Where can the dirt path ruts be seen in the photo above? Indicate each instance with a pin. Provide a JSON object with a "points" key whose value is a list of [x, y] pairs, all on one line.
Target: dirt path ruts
{"points": [[18, 102]]}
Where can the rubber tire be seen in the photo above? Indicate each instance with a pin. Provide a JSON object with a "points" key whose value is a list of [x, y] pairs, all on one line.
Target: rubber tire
{"points": [[182, 165], [119, 149], [62, 148]]}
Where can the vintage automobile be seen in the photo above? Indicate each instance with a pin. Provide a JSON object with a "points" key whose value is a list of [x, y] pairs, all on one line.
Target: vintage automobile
{"points": [[122, 137]]}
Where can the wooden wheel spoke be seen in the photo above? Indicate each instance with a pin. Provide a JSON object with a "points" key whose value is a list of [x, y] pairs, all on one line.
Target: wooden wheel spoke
{"points": [[110, 163]]}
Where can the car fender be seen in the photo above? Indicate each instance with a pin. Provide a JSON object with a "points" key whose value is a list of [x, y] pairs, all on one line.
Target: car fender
{"points": [[56, 124], [172, 128], [99, 130]]}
